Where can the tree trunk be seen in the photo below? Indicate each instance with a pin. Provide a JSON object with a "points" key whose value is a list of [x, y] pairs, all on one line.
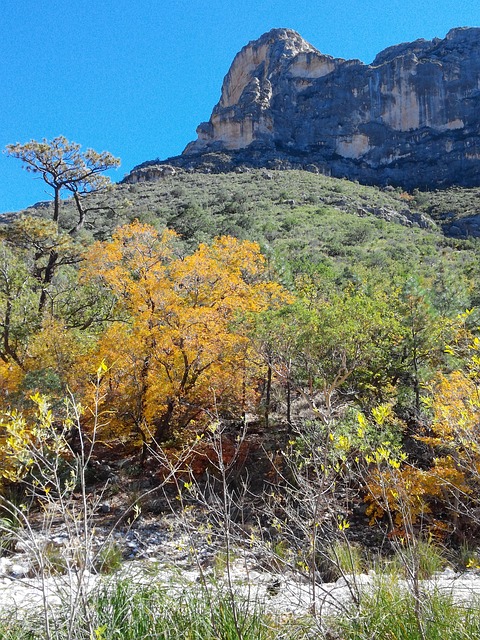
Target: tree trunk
{"points": [[56, 204], [289, 401], [268, 394], [47, 279], [8, 352], [81, 215], [144, 454], [162, 431]]}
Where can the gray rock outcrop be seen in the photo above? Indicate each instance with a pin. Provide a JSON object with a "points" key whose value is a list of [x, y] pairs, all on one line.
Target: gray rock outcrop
{"points": [[411, 117], [150, 173]]}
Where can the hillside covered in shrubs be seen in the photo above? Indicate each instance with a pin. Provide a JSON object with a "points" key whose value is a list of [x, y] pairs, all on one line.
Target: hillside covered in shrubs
{"points": [[308, 341]]}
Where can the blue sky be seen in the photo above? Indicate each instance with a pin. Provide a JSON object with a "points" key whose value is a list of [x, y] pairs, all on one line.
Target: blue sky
{"points": [[136, 77]]}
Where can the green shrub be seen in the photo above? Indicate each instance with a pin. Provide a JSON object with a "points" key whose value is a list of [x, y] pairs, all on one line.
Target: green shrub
{"points": [[466, 557]]}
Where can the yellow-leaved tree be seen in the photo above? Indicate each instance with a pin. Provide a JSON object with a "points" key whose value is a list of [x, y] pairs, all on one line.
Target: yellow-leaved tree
{"points": [[439, 493], [180, 351]]}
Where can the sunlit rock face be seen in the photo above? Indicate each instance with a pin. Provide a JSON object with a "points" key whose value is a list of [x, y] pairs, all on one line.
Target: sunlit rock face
{"points": [[411, 117]]}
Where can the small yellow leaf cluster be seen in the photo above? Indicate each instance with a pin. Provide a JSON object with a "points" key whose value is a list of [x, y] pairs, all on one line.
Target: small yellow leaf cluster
{"points": [[24, 444]]}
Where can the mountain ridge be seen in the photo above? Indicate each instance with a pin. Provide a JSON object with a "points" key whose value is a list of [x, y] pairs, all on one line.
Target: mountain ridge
{"points": [[411, 118]]}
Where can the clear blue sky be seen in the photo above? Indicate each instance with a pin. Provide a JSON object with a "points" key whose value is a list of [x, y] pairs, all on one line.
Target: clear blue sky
{"points": [[135, 77]]}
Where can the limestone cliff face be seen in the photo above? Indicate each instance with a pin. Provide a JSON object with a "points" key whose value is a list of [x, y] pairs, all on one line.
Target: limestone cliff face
{"points": [[412, 117], [244, 113]]}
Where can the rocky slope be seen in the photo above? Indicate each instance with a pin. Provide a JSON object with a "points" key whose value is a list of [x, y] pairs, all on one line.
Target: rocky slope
{"points": [[409, 118]]}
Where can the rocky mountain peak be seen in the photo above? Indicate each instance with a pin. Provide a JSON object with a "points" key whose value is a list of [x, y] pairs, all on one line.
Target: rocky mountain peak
{"points": [[259, 60], [411, 117]]}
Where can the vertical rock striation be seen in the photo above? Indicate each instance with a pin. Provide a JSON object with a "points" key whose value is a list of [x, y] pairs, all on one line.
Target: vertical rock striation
{"points": [[411, 117]]}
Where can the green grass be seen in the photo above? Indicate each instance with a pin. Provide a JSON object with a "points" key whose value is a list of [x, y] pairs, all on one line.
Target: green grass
{"points": [[191, 614], [424, 557], [109, 559], [123, 610], [345, 558], [389, 613]]}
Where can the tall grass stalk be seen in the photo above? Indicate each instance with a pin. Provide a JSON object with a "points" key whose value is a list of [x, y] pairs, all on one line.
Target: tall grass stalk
{"points": [[123, 610], [390, 612]]}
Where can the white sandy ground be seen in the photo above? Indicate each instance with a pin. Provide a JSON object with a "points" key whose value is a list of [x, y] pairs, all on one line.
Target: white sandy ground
{"points": [[159, 553], [280, 593]]}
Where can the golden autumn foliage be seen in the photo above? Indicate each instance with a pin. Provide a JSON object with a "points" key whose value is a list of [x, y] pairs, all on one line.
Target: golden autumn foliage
{"points": [[407, 494], [11, 376], [449, 484], [179, 352], [456, 413], [25, 444], [399, 492]]}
